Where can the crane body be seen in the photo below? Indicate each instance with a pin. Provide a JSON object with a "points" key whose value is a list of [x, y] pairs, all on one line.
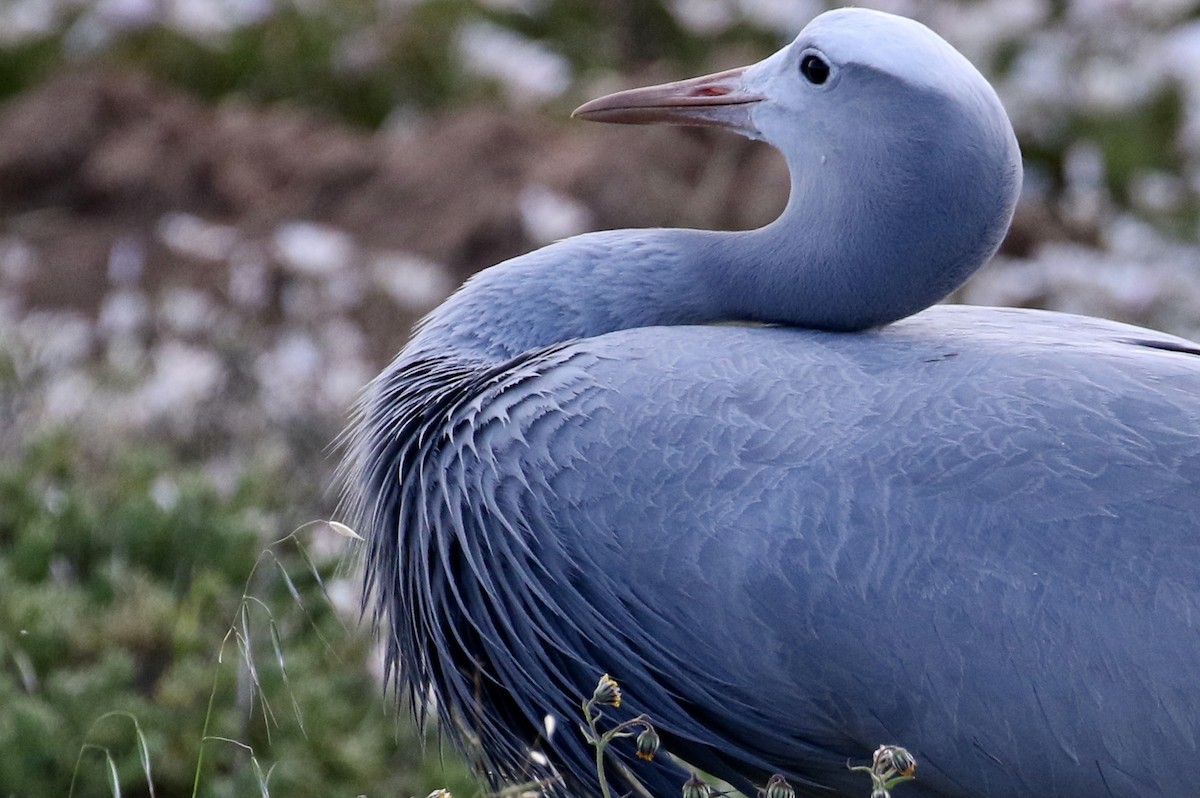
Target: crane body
{"points": [[795, 517]]}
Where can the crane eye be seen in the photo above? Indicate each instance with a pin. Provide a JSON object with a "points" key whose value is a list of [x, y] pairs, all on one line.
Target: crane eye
{"points": [[814, 69]]}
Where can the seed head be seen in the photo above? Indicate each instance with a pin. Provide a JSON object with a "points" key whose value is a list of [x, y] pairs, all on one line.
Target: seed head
{"points": [[647, 743], [903, 762], [696, 787], [892, 760], [607, 692], [778, 787]]}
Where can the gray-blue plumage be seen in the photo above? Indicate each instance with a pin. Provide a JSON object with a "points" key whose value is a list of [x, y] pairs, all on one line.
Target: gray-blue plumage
{"points": [[972, 532]]}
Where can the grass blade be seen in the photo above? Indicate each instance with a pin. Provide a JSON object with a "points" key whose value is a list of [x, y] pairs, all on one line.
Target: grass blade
{"points": [[144, 755], [277, 644], [114, 783]]}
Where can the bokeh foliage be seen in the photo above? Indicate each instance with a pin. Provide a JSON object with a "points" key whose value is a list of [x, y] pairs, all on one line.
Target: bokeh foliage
{"points": [[372, 61], [362, 60], [119, 578]]}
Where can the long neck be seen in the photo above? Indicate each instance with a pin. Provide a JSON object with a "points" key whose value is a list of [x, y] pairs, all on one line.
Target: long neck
{"points": [[844, 255], [590, 285], [870, 237]]}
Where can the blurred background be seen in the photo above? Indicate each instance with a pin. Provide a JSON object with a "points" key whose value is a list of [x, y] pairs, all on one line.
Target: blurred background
{"points": [[219, 218]]}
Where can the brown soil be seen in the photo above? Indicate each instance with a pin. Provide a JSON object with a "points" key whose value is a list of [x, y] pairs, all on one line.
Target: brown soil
{"points": [[90, 160]]}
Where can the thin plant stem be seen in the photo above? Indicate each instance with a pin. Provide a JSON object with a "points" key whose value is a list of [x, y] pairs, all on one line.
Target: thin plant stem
{"points": [[599, 744]]}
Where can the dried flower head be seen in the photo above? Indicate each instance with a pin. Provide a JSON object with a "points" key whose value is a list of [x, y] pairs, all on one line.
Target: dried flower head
{"points": [[892, 760], [696, 787], [647, 743], [889, 766], [778, 787], [607, 692], [904, 762]]}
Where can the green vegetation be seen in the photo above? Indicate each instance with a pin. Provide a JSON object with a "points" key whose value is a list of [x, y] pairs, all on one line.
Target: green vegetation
{"points": [[120, 577]]}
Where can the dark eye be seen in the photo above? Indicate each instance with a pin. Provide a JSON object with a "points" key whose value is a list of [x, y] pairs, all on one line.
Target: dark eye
{"points": [[814, 68]]}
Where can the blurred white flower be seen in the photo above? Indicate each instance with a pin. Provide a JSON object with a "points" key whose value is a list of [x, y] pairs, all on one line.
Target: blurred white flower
{"points": [[413, 282], [55, 340], [249, 277], [188, 234], [703, 17], [181, 377], [187, 311], [18, 260], [529, 73], [123, 312], [786, 17], [313, 249], [214, 17], [126, 260], [27, 19], [549, 216]]}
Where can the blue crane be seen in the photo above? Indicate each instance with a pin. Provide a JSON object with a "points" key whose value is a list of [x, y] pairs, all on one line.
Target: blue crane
{"points": [[793, 509]]}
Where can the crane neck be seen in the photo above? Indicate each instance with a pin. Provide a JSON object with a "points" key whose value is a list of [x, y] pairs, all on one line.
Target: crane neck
{"points": [[845, 254], [602, 282], [580, 288]]}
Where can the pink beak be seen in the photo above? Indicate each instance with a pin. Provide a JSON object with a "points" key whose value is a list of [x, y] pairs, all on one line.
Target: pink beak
{"points": [[718, 100]]}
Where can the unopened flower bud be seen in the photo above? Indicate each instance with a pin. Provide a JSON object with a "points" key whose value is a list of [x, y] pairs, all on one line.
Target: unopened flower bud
{"points": [[647, 743], [696, 787], [778, 787], [607, 692]]}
